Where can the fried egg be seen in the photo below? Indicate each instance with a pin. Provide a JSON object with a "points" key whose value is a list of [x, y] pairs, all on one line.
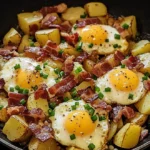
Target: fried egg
{"points": [[26, 73], [103, 38], [122, 86], [74, 126]]}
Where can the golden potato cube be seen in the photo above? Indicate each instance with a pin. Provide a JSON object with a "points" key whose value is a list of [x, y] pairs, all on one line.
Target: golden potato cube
{"points": [[36, 144], [26, 20], [128, 136], [16, 129], [141, 47], [12, 37], [103, 19], [143, 106], [96, 9], [88, 65], [73, 14], [37, 103], [42, 36], [131, 21], [113, 130], [139, 119]]}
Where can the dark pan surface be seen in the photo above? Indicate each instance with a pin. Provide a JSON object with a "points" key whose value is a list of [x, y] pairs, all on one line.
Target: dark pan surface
{"points": [[139, 8]]}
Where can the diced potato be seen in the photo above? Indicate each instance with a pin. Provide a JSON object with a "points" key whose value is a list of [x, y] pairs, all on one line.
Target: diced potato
{"points": [[42, 36], [12, 37], [26, 20], [68, 95], [73, 14], [24, 43], [36, 144], [139, 119], [103, 20], [131, 21], [88, 65], [120, 124], [55, 63], [37, 103], [143, 106], [141, 47], [96, 9], [16, 129], [113, 130], [128, 136]]}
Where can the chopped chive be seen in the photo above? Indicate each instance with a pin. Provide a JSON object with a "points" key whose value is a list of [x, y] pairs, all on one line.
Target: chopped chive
{"points": [[144, 78], [51, 112], [123, 65], [25, 91], [91, 111], [79, 47], [108, 89], [23, 101], [57, 70], [17, 66], [66, 99], [45, 76], [20, 90], [130, 96], [76, 98], [73, 107], [32, 44], [94, 118], [60, 51], [100, 95], [1, 107], [57, 80], [31, 37], [45, 64], [147, 74], [79, 38], [94, 77], [91, 146], [72, 137], [77, 103], [107, 40], [115, 45], [61, 74], [101, 118], [35, 87], [97, 89], [117, 36], [78, 70], [11, 89], [52, 105], [75, 27], [17, 87], [83, 16], [37, 68], [125, 26], [87, 107], [73, 92], [90, 45]]}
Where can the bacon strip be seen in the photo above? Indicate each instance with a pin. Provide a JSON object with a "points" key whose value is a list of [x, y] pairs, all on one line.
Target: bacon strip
{"points": [[87, 21], [41, 92], [42, 133], [128, 112], [58, 9], [15, 110], [2, 83], [147, 84], [84, 76], [15, 98], [107, 63], [82, 57], [63, 86]]}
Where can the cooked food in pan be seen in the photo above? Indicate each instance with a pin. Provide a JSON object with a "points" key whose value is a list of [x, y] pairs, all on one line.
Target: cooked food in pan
{"points": [[75, 79]]}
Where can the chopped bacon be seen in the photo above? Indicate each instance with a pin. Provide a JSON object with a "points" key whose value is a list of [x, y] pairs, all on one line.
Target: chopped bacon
{"points": [[63, 86], [88, 95], [58, 9], [68, 65], [41, 92], [72, 39], [107, 63], [128, 112], [81, 57], [2, 83], [42, 133], [147, 84], [144, 133], [16, 110], [84, 76], [56, 100], [15, 98], [33, 28], [87, 21]]}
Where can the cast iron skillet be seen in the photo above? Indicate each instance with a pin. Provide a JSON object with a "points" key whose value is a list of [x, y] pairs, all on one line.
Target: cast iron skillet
{"points": [[139, 8]]}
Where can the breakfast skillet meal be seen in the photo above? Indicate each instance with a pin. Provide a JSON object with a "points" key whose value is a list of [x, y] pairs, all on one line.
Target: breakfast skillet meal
{"points": [[74, 79]]}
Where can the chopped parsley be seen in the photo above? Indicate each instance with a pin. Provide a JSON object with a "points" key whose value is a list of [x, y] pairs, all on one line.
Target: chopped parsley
{"points": [[78, 70], [123, 65], [144, 78], [87, 107], [72, 136], [90, 45], [11, 89], [73, 107], [38, 67], [91, 146], [108, 89], [97, 89], [117, 36], [25, 91], [130, 96], [17, 66], [45, 76], [125, 26], [94, 118], [100, 95]]}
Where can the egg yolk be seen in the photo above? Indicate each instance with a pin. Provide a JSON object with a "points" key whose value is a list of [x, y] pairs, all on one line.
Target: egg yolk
{"points": [[79, 123], [27, 80], [124, 79], [94, 34]]}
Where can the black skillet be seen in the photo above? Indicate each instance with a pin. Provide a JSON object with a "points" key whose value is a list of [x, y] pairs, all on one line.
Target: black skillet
{"points": [[139, 8]]}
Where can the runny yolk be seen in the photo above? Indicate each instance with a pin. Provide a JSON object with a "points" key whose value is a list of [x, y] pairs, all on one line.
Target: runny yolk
{"points": [[94, 34], [124, 79], [79, 123], [27, 80]]}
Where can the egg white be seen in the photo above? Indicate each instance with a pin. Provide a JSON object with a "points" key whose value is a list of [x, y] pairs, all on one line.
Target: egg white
{"points": [[98, 137]]}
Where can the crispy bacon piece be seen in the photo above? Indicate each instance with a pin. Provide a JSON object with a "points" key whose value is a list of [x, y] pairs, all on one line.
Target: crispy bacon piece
{"points": [[33, 28], [72, 39], [15, 98], [128, 112], [56, 100], [63, 86], [2, 83], [81, 57], [147, 84], [51, 9], [88, 95], [68, 65], [15, 110], [42, 133], [144, 133], [87, 21], [107, 63], [41, 92], [84, 76]]}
